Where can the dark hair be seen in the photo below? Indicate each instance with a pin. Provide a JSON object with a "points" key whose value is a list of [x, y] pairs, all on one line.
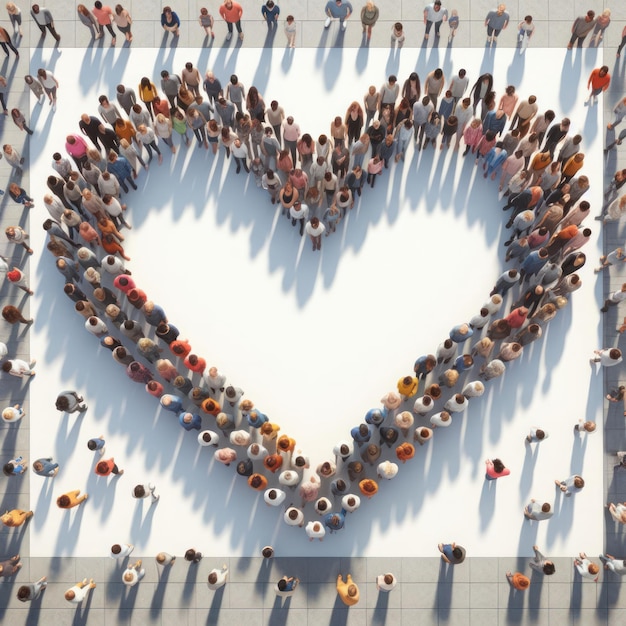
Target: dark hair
{"points": [[139, 491], [63, 501], [457, 552], [282, 584], [498, 466], [549, 569]]}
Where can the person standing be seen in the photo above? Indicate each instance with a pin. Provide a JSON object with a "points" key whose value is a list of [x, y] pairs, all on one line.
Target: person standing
{"points": [[336, 9], [348, 592], [270, 13], [170, 21], [145, 491], [369, 17], [286, 586], [27, 593], [571, 485], [599, 81], [496, 21], [451, 553], [386, 582], [231, 13], [43, 18], [79, 591], [103, 15], [541, 564], [133, 574], [217, 578], [581, 27], [538, 511], [315, 229], [434, 14]]}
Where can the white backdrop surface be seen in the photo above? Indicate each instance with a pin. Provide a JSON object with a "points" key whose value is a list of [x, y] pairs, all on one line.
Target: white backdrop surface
{"points": [[315, 340]]}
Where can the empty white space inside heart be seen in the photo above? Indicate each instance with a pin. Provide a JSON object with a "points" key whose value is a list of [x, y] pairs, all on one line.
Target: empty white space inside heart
{"points": [[314, 339]]}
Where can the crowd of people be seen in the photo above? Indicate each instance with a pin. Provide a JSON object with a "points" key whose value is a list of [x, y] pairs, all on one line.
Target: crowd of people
{"points": [[539, 168]]}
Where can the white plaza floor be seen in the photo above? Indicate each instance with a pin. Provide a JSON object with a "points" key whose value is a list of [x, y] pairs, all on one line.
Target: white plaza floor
{"points": [[315, 339]]}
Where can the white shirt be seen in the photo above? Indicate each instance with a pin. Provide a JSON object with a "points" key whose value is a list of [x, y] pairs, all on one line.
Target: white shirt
{"points": [[279, 497], [314, 232], [214, 438], [315, 534]]}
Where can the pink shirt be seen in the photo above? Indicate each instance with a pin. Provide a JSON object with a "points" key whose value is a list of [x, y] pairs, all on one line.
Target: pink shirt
{"points": [[103, 15]]}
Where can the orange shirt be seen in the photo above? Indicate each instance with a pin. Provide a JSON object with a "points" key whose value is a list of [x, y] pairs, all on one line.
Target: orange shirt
{"points": [[368, 487], [599, 82], [211, 407]]}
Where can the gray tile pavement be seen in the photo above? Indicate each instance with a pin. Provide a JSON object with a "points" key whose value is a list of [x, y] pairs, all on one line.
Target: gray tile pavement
{"points": [[474, 593]]}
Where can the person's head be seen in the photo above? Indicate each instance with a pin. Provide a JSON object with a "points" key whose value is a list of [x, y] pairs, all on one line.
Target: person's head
{"points": [[548, 568], [190, 555], [457, 552], [139, 491], [498, 466], [267, 552], [579, 483], [590, 15], [212, 578], [352, 591], [593, 569], [23, 593], [63, 501], [604, 70]]}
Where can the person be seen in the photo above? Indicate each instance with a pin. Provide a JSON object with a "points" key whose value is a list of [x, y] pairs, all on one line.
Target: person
{"points": [[607, 357], [496, 21], [49, 83], [217, 578], [602, 23], [369, 17], [286, 586], [170, 21], [15, 15], [28, 593], [614, 565], [19, 368], [495, 469], [518, 581], [571, 485], [538, 511], [165, 559], [451, 553], [386, 582], [103, 15], [71, 499], [43, 18], [315, 229], [6, 43], [193, 556], [13, 315], [45, 467], [133, 574], [145, 491], [599, 81], [13, 414], [290, 31], [15, 518], [79, 591], [206, 21], [581, 27], [231, 13], [107, 467], [70, 402], [586, 568], [618, 512], [10, 567], [123, 21], [434, 14], [397, 35], [35, 87], [525, 30], [270, 13], [337, 9], [348, 592], [541, 564], [19, 120]]}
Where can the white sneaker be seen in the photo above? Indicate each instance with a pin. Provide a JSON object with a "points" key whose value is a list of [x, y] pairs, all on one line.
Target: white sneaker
{"points": [[343, 26], [228, 36], [327, 22]]}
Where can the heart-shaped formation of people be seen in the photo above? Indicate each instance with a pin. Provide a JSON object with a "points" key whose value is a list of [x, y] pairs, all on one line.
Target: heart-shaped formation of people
{"points": [[272, 462]]}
